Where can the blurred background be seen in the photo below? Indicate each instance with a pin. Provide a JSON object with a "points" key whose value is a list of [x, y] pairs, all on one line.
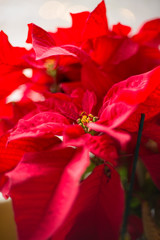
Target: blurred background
{"points": [[16, 14]]}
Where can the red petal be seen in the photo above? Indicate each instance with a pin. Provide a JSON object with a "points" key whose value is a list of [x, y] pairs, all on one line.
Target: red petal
{"points": [[92, 77], [125, 50], [41, 39], [121, 137], [5, 125], [89, 101], [96, 213], [29, 36], [43, 188], [42, 124], [69, 87], [141, 90], [72, 35], [113, 50], [74, 135], [115, 114], [135, 227], [96, 24], [135, 89], [65, 105], [43, 42], [10, 80], [151, 131], [149, 33], [6, 110], [103, 147], [8, 53], [121, 29], [152, 163], [11, 71], [12, 152]]}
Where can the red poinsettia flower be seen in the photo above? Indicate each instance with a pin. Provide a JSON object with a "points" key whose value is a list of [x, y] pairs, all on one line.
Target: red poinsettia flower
{"points": [[108, 56], [47, 179], [62, 111], [44, 126], [94, 27], [113, 50], [18, 92], [34, 174], [11, 76], [82, 28], [45, 185]]}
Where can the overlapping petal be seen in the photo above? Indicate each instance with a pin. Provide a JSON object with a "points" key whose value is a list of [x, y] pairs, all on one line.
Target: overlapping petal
{"points": [[121, 136], [96, 24], [43, 124], [96, 213], [141, 90], [44, 185], [149, 34], [12, 152], [152, 163]]}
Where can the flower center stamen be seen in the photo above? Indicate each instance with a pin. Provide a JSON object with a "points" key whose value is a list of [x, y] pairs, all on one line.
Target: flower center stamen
{"points": [[50, 67], [85, 119]]}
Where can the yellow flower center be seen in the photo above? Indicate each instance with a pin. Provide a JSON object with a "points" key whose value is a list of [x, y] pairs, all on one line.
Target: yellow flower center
{"points": [[85, 119], [50, 67]]}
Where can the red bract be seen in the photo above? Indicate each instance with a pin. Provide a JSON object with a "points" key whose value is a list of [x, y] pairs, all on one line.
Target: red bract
{"points": [[10, 113], [50, 123], [12, 152], [113, 50], [135, 227], [152, 164], [96, 20], [45, 125], [102, 146], [151, 131], [81, 30], [91, 76], [141, 91], [12, 64], [121, 30], [11, 77], [96, 213], [149, 34], [72, 35], [44, 185]]}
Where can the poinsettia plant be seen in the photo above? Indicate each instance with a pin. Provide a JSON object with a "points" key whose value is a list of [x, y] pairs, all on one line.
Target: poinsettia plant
{"points": [[68, 141]]}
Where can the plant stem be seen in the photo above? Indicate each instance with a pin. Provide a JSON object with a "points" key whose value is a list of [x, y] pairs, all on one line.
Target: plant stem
{"points": [[129, 195]]}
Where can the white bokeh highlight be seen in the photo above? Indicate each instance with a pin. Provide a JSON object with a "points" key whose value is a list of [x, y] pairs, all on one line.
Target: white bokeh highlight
{"points": [[16, 14]]}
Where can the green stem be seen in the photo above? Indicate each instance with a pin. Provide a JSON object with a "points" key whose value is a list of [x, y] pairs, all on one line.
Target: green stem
{"points": [[129, 195]]}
